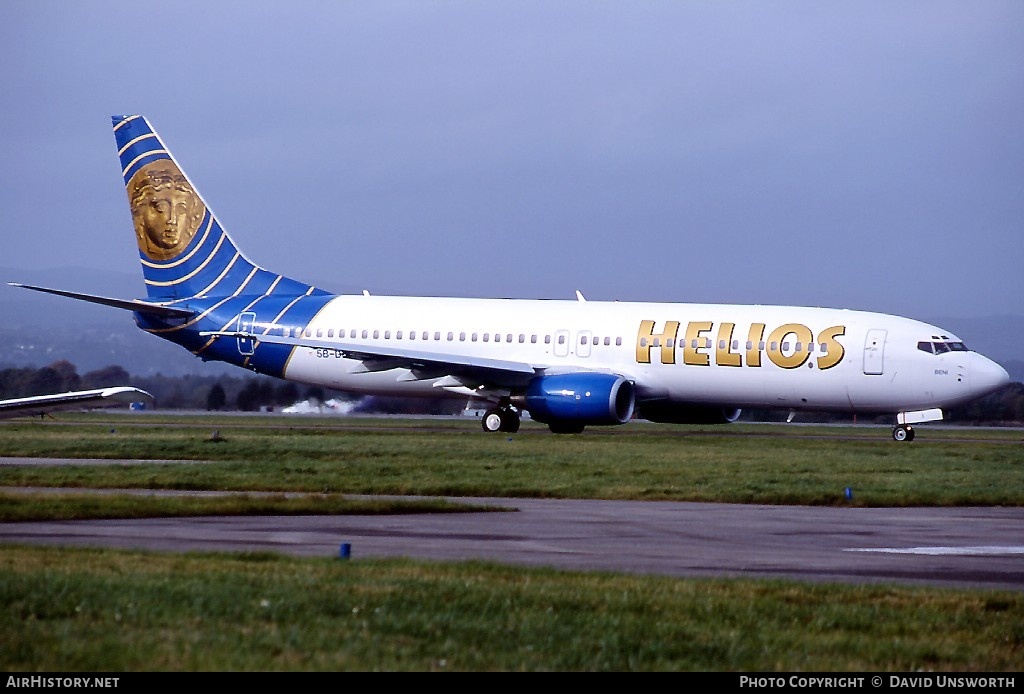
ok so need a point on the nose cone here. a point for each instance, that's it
(987, 376)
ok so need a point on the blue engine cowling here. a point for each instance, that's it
(671, 413)
(580, 399)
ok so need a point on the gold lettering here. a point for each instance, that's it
(645, 337)
(794, 344)
(724, 356)
(696, 341)
(833, 350)
(754, 336)
(792, 361)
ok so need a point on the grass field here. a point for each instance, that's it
(106, 610)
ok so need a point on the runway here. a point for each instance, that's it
(947, 547)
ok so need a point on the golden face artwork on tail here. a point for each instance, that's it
(166, 211)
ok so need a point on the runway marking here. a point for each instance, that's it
(935, 551)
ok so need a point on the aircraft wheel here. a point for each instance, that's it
(492, 420)
(902, 433)
(910, 433)
(509, 421)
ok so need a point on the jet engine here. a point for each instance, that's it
(568, 402)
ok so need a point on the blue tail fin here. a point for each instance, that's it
(184, 250)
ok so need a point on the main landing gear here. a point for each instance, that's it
(903, 432)
(501, 419)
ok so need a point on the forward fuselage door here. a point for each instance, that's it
(874, 351)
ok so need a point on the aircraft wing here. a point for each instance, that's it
(469, 371)
(72, 400)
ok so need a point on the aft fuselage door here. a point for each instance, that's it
(874, 351)
(246, 346)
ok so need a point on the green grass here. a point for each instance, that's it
(27, 506)
(109, 611)
(66, 609)
(767, 464)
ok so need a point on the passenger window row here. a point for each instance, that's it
(426, 335)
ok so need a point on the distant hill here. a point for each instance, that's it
(38, 329)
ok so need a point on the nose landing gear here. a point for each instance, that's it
(903, 432)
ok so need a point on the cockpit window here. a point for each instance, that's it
(941, 346)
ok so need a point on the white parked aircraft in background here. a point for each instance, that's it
(569, 364)
(41, 405)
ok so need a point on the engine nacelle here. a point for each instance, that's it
(670, 413)
(580, 399)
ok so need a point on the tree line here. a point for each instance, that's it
(254, 393)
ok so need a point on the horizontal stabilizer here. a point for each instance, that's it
(130, 304)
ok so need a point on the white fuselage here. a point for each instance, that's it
(795, 358)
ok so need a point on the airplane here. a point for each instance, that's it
(42, 405)
(568, 364)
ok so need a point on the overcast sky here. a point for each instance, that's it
(860, 154)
